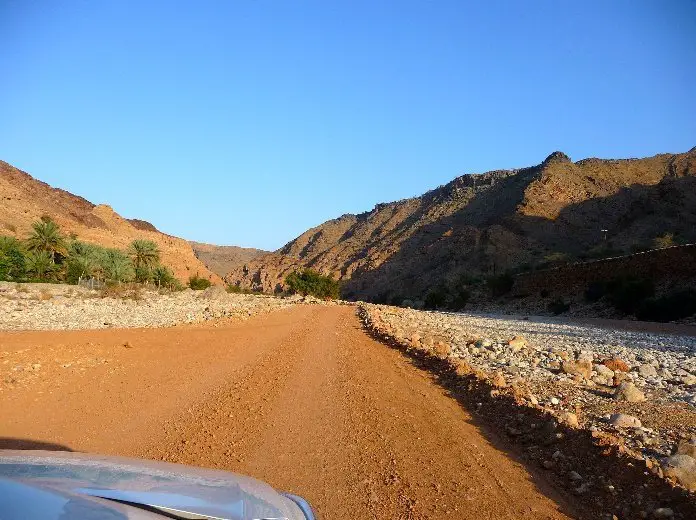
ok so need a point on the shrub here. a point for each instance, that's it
(674, 306)
(310, 282)
(143, 274)
(558, 306)
(436, 298)
(666, 240)
(460, 299)
(12, 259)
(628, 294)
(500, 284)
(163, 277)
(198, 283)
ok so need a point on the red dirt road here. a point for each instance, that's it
(301, 398)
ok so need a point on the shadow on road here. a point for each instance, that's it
(10, 443)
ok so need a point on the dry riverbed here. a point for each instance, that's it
(66, 307)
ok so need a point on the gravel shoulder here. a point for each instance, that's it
(301, 398)
(562, 391)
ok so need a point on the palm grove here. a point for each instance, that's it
(46, 255)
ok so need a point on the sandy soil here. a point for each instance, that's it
(301, 398)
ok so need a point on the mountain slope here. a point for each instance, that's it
(25, 199)
(222, 259)
(480, 224)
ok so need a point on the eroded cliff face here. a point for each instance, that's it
(25, 200)
(479, 224)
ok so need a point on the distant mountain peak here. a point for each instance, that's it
(556, 158)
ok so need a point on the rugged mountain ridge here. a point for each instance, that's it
(222, 259)
(25, 199)
(484, 223)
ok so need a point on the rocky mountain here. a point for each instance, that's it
(24, 200)
(222, 259)
(480, 224)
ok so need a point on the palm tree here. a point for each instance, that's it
(117, 266)
(144, 253)
(39, 263)
(46, 236)
(163, 276)
(82, 261)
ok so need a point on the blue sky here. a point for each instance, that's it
(247, 122)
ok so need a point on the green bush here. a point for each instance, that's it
(163, 277)
(674, 306)
(436, 299)
(198, 283)
(12, 259)
(312, 283)
(558, 306)
(500, 284)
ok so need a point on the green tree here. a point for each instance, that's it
(164, 277)
(46, 236)
(311, 282)
(144, 253)
(82, 261)
(12, 259)
(116, 266)
(39, 264)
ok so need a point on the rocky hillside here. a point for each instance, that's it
(25, 200)
(484, 223)
(222, 259)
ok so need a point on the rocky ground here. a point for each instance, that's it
(56, 307)
(635, 391)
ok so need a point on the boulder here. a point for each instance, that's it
(517, 343)
(627, 391)
(647, 371)
(687, 448)
(583, 368)
(570, 419)
(622, 420)
(682, 469)
(604, 371)
(616, 364)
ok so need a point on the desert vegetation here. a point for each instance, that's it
(47, 255)
(309, 282)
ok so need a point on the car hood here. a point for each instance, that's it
(66, 486)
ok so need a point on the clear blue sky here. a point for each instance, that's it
(247, 122)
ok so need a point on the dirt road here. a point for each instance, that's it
(300, 398)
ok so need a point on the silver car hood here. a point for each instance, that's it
(66, 486)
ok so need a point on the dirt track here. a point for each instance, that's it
(300, 398)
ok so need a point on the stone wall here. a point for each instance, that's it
(670, 265)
